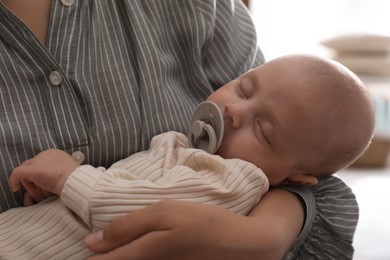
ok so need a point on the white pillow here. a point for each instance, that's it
(358, 42)
(377, 65)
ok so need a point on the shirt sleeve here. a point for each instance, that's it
(332, 214)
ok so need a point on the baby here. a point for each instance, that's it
(294, 119)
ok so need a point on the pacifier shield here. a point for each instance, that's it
(206, 127)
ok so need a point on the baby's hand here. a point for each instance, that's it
(48, 170)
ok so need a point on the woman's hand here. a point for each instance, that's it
(43, 175)
(181, 230)
(174, 230)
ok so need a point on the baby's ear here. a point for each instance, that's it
(303, 179)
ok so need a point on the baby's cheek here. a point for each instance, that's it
(230, 149)
(224, 150)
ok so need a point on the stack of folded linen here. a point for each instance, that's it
(368, 55)
(363, 53)
(378, 153)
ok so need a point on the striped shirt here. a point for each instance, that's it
(168, 170)
(331, 217)
(113, 74)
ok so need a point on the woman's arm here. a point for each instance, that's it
(178, 230)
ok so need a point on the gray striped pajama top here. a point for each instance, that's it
(113, 74)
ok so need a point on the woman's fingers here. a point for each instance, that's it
(168, 230)
(150, 246)
(125, 229)
(28, 200)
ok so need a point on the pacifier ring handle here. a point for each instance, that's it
(206, 127)
(200, 131)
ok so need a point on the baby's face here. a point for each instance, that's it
(266, 118)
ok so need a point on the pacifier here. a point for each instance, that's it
(206, 127)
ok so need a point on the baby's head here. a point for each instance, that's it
(297, 117)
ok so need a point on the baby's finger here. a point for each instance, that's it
(28, 200)
(15, 179)
(35, 192)
(27, 162)
(20, 173)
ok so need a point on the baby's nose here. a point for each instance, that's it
(235, 114)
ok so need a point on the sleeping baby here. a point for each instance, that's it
(294, 119)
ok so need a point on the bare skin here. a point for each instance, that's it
(35, 14)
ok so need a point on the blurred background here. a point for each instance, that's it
(298, 26)
(357, 34)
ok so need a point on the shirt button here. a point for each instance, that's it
(55, 78)
(78, 156)
(67, 2)
(289, 256)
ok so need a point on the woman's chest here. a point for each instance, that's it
(35, 14)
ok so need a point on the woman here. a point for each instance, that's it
(72, 71)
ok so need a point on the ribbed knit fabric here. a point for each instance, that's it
(168, 170)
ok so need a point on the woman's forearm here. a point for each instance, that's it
(197, 231)
(279, 217)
